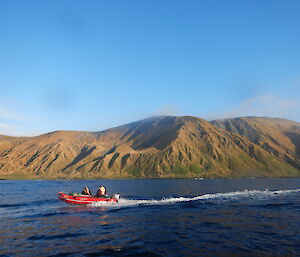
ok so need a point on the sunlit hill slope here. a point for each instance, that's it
(163, 146)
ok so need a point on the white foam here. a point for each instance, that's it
(257, 194)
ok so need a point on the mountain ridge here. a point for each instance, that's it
(159, 146)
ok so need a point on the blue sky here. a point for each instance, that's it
(91, 65)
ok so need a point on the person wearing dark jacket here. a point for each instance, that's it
(86, 191)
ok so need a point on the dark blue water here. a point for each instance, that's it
(220, 217)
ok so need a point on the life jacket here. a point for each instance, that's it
(102, 190)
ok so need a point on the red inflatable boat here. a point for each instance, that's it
(84, 199)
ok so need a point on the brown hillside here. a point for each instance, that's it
(280, 137)
(155, 147)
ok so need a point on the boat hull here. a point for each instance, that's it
(73, 199)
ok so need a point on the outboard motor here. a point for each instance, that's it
(116, 196)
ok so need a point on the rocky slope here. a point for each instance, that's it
(279, 137)
(159, 147)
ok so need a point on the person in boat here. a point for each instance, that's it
(101, 192)
(86, 191)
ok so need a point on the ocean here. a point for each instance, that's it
(155, 217)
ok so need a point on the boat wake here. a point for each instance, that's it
(231, 196)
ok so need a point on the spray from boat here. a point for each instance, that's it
(231, 196)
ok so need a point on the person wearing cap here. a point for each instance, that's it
(101, 192)
(86, 191)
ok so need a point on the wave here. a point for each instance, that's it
(231, 196)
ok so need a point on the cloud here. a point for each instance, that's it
(18, 131)
(171, 110)
(13, 123)
(267, 105)
(9, 118)
(7, 129)
(10, 114)
(9, 110)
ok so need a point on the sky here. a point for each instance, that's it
(91, 65)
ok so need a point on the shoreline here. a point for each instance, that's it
(12, 178)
